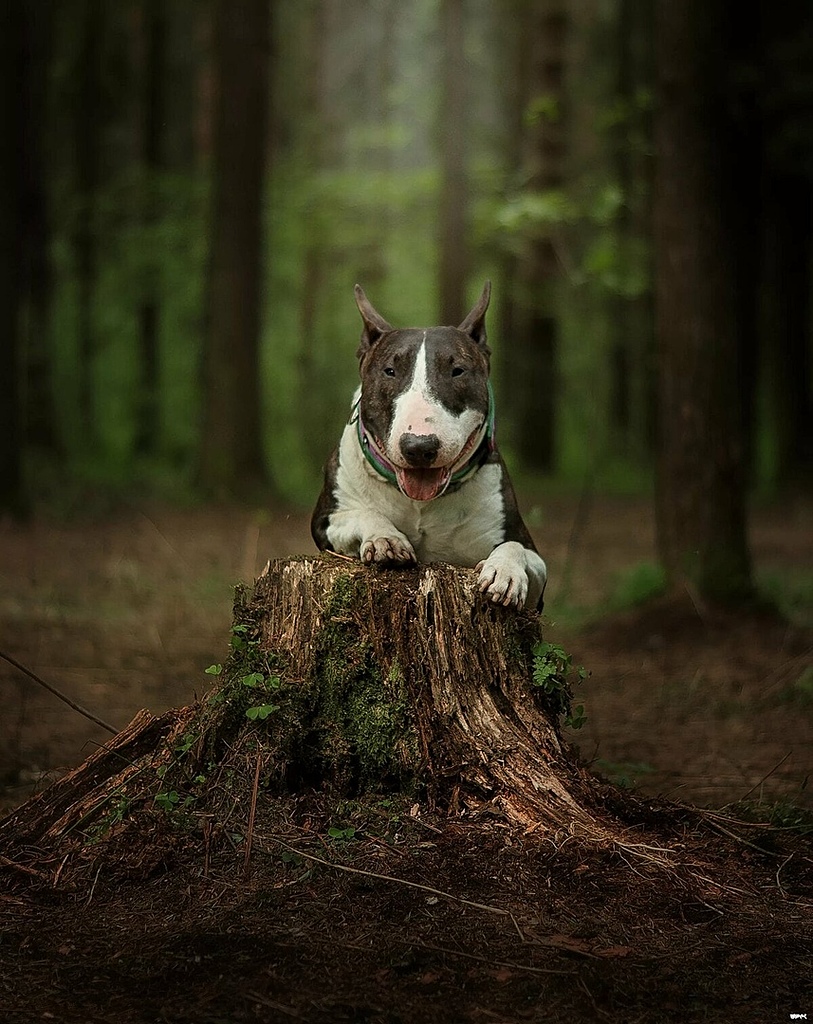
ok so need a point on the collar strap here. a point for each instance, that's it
(376, 458)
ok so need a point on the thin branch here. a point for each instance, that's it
(14, 866)
(251, 814)
(57, 693)
(766, 777)
(392, 878)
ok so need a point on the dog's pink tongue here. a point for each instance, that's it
(421, 484)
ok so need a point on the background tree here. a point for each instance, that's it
(14, 52)
(786, 236)
(531, 320)
(701, 472)
(453, 238)
(232, 456)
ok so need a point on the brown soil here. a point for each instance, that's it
(695, 917)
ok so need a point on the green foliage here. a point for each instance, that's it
(544, 107)
(342, 834)
(636, 585)
(149, 233)
(266, 683)
(554, 674)
(261, 711)
(168, 800)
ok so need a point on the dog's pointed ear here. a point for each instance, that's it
(374, 323)
(475, 323)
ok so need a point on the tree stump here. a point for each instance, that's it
(349, 679)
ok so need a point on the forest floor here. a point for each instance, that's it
(127, 609)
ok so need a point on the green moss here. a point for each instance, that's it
(363, 711)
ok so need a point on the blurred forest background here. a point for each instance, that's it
(192, 188)
(189, 190)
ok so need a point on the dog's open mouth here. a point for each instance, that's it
(423, 484)
(426, 484)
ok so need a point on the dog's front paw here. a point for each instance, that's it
(387, 550)
(503, 579)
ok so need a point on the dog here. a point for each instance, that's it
(417, 476)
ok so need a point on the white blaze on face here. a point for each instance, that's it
(417, 411)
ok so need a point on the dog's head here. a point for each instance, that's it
(425, 395)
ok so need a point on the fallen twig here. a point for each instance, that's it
(392, 878)
(57, 693)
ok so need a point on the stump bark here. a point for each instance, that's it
(348, 679)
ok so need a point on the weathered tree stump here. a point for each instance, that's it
(350, 679)
(410, 678)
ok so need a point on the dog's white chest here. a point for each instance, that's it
(461, 528)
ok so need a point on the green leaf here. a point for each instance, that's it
(167, 800)
(341, 833)
(261, 711)
(213, 670)
(253, 679)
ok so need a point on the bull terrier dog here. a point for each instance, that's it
(416, 476)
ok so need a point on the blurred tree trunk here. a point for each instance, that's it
(788, 247)
(453, 238)
(529, 359)
(701, 470)
(232, 452)
(314, 118)
(39, 412)
(153, 110)
(633, 401)
(13, 132)
(88, 113)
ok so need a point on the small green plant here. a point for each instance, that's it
(168, 800)
(553, 674)
(255, 680)
(268, 684)
(186, 744)
(342, 835)
(213, 670)
(261, 711)
(239, 637)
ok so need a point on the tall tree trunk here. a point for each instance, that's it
(701, 471)
(153, 108)
(87, 116)
(788, 229)
(232, 453)
(39, 411)
(530, 357)
(453, 237)
(633, 394)
(315, 260)
(13, 129)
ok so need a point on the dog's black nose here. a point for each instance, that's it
(420, 449)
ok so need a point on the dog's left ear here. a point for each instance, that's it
(475, 323)
(374, 323)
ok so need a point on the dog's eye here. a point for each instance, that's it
(457, 370)
(389, 371)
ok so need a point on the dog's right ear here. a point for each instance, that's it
(374, 323)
